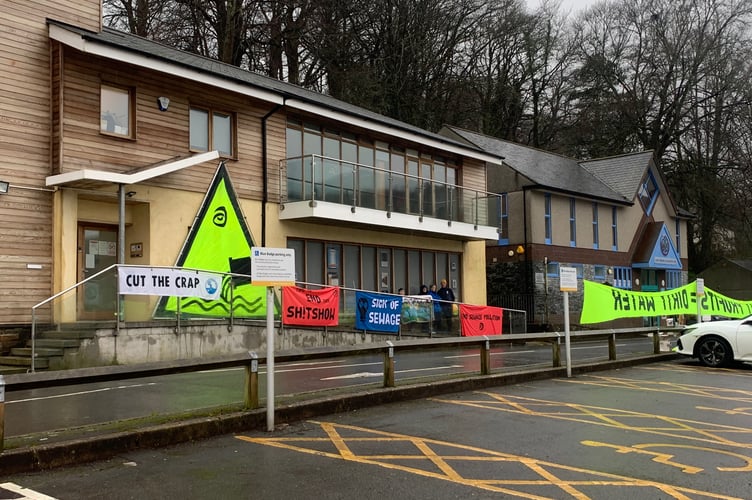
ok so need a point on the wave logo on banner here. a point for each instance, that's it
(303, 307)
(377, 312)
(480, 320)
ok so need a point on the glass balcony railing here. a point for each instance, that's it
(319, 178)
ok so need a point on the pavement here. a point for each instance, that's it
(67, 447)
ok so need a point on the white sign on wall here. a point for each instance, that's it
(171, 282)
(272, 266)
(568, 279)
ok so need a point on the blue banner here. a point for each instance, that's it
(377, 312)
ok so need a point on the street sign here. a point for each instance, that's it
(568, 279)
(272, 266)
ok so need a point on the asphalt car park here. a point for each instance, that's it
(661, 430)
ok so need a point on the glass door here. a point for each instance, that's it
(97, 298)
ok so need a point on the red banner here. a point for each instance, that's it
(303, 307)
(480, 320)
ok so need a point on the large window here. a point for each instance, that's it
(116, 111)
(572, 222)
(547, 217)
(595, 225)
(344, 168)
(678, 236)
(212, 130)
(504, 210)
(648, 192)
(382, 269)
(614, 231)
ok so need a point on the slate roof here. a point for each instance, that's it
(623, 173)
(549, 170)
(167, 54)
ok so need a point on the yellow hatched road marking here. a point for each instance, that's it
(609, 417)
(721, 393)
(343, 440)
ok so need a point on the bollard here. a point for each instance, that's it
(2, 413)
(251, 383)
(656, 342)
(389, 365)
(556, 347)
(485, 357)
(612, 347)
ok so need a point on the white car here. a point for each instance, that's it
(717, 343)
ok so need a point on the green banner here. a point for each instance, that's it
(605, 303)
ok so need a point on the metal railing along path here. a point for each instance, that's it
(251, 361)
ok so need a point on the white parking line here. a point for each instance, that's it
(380, 374)
(28, 494)
(79, 393)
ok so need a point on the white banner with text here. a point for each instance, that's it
(173, 282)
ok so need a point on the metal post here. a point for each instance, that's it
(269, 358)
(389, 365)
(566, 334)
(485, 357)
(2, 413)
(251, 383)
(33, 337)
(612, 347)
(556, 348)
(657, 342)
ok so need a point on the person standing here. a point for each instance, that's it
(447, 303)
(436, 308)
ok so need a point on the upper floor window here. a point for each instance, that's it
(572, 223)
(614, 231)
(116, 111)
(678, 236)
(648, 192)
(547, 217)
(595, 225)
(504, 211)
(212, 130)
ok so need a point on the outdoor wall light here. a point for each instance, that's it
(511, 253)
(520, 250)
(163, 103)
(4, 187)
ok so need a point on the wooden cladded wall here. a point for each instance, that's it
(26, 240)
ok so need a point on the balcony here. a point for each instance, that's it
(315, 188)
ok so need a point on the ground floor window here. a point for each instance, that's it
(623, 277)
(673, 279)
(377, 268)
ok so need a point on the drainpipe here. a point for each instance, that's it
(265, 170)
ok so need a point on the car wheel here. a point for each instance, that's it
(714, 352)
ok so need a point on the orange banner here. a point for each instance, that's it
(303, 307)
(480, 320)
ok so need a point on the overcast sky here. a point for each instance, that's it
(566, 5)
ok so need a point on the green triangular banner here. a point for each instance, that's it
(219, 240)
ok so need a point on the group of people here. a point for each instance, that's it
(443, 304)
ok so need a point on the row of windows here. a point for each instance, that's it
(210, 129)
(622, 276)
(383, 269)
(548, 225)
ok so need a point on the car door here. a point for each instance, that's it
(744, 340)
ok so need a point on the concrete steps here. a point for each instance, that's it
(50, 347)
